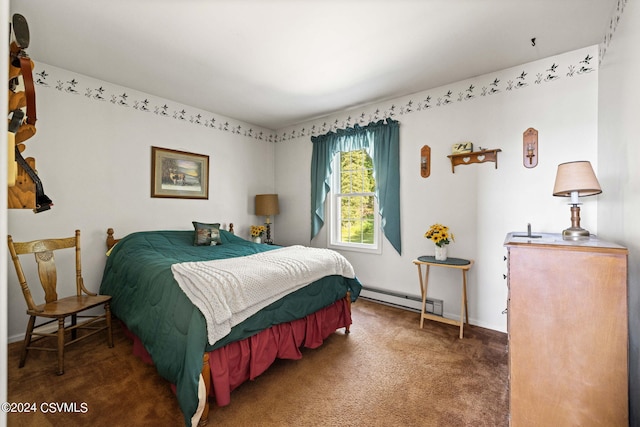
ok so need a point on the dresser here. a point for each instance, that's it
(568, 332)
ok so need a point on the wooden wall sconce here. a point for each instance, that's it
(425, 161)
(530, 148)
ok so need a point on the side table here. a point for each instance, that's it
(458, 263)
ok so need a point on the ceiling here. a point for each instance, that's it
(276, 63)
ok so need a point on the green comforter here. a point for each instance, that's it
(148, 300)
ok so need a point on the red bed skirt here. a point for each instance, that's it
(246, 359)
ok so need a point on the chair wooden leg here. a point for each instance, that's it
(107, 312)
(27, 341)
(74, 322)
(61, 346)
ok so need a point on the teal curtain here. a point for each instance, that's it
(382, 143)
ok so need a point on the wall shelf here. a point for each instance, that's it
(474, 157)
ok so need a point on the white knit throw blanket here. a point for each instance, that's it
(228, 291)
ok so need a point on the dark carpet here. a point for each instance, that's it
(386, 372)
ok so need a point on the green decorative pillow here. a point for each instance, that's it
(206, 234)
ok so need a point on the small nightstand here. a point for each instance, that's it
(458, 263)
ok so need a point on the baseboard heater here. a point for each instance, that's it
(410, 302)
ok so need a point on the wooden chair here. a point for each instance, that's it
(54, 308)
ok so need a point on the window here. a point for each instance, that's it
(382, 142)
(355, 222)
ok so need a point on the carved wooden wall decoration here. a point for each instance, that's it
(23, 194)
(25, 188)
(481, 156)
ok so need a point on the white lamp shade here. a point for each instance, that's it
(576, 177)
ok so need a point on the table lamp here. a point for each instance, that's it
(575, 179)
(267, 205)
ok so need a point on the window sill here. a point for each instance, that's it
(356, 248)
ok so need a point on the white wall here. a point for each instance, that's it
(94, 158)
(619, 176)
(478, 202)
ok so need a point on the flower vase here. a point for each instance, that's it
(441, 253)
(257, 239)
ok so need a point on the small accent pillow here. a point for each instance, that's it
(206, 234)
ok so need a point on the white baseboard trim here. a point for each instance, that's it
(407, 302)
(414, 303)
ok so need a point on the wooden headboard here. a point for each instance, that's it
(111, 241)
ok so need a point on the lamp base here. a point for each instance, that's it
(575, 233)
(268, 240)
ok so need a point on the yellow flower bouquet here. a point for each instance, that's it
(258, 230)
(440, 234)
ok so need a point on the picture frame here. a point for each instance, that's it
(179, 174)
(462, 147)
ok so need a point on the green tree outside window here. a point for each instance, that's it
(356, 198)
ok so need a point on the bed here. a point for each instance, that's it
(148, 275)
